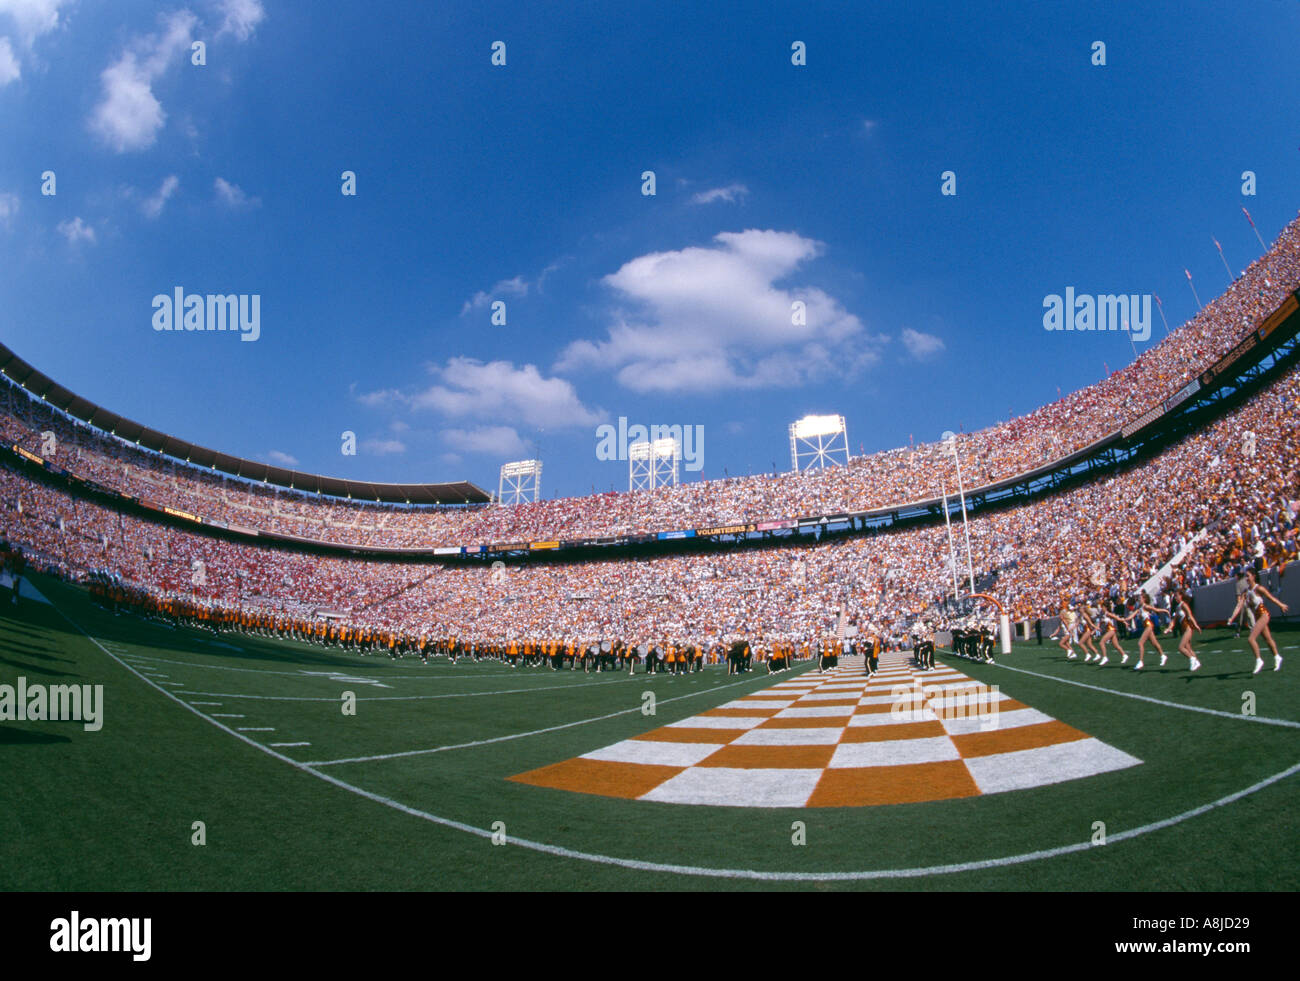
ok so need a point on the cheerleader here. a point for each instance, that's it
(1111, 633)
(1253, 598)
(1186, 620)
(1149, 615)
(1067, 630)
(1088, 628)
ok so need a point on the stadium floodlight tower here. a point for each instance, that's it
(520, 481)
(653, 464)
(817, 442)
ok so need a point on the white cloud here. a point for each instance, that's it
(8, 207)
(284, 459)
(868, 125)
(499, 390)
(491, 440)
(707, 317)
(240, 17)
(33, 17)
(381, 397)
(153, 206)
(921, 346)
(383, 447)
(507, 287)
(496, 390)
(730, 193)
(76, 231)
(9, 70)
(129, 115)
(232, 195)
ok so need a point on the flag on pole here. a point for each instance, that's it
(1161, 307)
(1221, 258)
(1254, 229)
(1199, 304)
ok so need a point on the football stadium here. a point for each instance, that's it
(1053, 651)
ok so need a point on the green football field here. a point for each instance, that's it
(248, 736)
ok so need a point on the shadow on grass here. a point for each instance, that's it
(10, 736)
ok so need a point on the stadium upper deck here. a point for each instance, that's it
(888, 478)
(1232, 489)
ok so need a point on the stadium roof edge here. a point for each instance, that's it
(45, 388)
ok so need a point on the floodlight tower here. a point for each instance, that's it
(817, 442)
(518, 481)
(653, 464)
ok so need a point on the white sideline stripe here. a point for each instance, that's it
(256, 729)
(398, 698)
(216, 704)
(653, 753)
(289, 744)
(1289, 723)
(520, 735)
(639, 865)
(225, 715)
(1044, 765)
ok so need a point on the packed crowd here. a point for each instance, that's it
(887, 478)
(1225, 498)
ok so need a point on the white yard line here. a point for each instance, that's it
(517, 735)
(1289, 723)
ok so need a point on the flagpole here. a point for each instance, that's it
(952, 554)
(1130, 339)
(961, 492)
(1161, 307)
(1225, 261)
(1199, 304)
(1254, 229)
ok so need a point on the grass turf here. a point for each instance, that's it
(114, 809)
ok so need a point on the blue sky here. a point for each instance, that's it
(522, 183)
